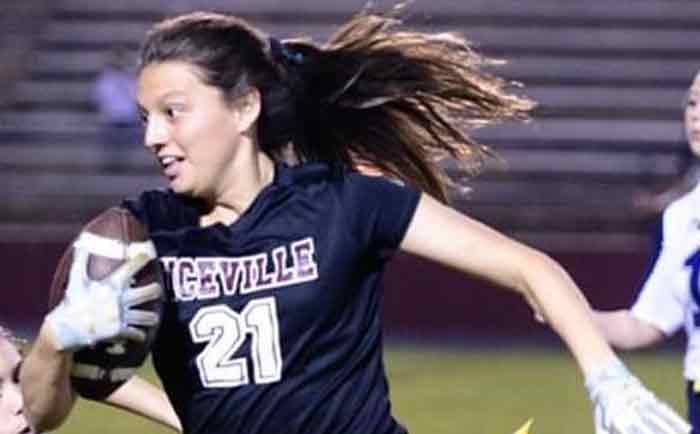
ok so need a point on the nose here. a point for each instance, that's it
(156, 134)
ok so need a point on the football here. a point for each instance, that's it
(102, 368)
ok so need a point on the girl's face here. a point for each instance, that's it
(190, 127)
(12, 420)
(692, 116)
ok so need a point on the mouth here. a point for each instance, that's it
(169, 165)
(20, 428)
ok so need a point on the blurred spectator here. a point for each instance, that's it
(114, 94)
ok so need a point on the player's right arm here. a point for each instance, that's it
(49, 397)
(91, 311)
(45, 382)
(142, 398)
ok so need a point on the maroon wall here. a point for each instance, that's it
(422, 299)
(27, 270)
(425, 298)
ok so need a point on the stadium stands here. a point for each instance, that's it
(609, 76)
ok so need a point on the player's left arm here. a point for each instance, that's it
(140, 397)
(442, 234)
(622, 404)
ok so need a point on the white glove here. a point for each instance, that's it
(96, 310)
(622, 405)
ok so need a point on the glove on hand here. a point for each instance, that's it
(622, 405)
(96, 310)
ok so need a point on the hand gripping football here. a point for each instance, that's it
(112, 254)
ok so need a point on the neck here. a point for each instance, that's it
(237, 196)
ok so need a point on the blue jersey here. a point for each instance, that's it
(273, 323)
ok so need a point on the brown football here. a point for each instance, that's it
(101, 369)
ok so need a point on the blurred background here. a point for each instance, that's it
(610, 79)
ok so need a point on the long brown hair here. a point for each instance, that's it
(373, 94)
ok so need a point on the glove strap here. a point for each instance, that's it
(612, 370)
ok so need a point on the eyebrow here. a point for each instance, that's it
(161, 98)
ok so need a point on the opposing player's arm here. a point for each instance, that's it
(140, 397)
(625, 331)
(659, 310)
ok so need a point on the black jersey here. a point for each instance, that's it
(273, 323)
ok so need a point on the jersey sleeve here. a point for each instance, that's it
(161, 210)
(658, 303)
(380, 210)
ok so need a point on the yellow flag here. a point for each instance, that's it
(525, 429)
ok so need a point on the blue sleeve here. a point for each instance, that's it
(380, 210)
(657, 239)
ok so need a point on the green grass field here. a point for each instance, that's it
(443, 391)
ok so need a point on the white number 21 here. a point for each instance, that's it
(225, 330)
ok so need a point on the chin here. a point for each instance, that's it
(695, 148)
(180, 187)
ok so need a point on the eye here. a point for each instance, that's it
(173, 111)
(692, 103)
(143, 116)
(15, 373)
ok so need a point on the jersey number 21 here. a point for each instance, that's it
(225, 330)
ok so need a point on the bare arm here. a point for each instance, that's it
(625, 331)
(45, 382)
(49, 397)
(140, 397)
(445, 236)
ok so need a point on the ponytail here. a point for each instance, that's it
(395, 101)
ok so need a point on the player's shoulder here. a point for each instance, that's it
(163, 209)
(322, 175)
(683, 214)
(686, 206)
(343, 187)
(307, 174)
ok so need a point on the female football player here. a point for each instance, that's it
(670, 296)
(137, 396)
(272, 321)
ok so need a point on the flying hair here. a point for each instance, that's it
(374, 95)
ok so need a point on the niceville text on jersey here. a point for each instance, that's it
(272, 324)
(213, 277)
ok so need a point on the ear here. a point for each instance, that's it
(248, 109)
